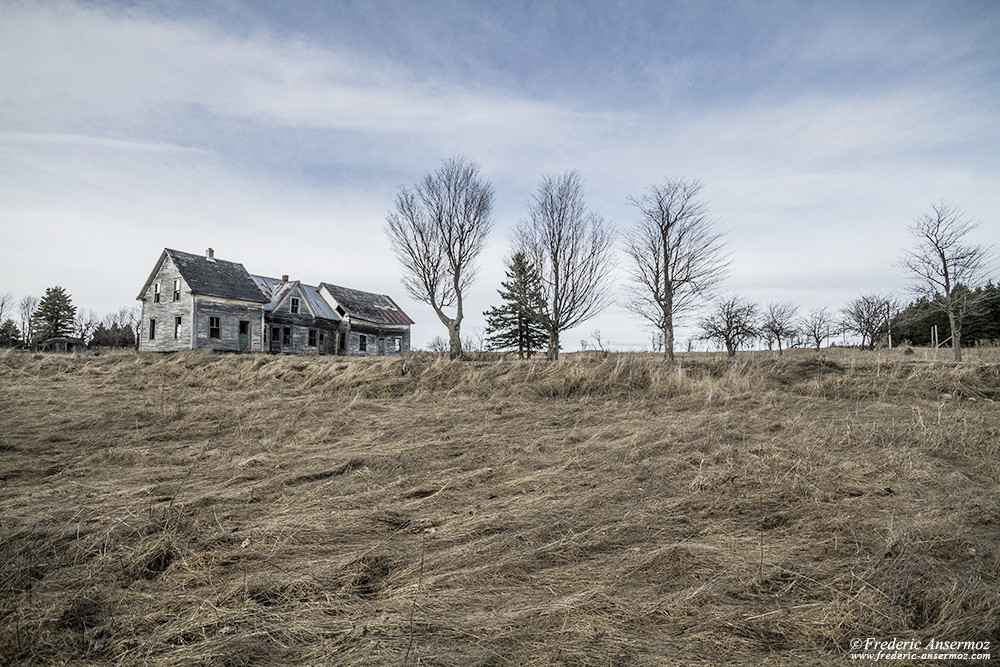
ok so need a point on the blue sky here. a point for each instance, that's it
(278, 133)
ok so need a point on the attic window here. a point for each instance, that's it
(177, 289)
(295, 305)
(156, 293)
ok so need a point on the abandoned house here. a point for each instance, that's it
(198, 301)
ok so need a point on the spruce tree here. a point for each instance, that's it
(512, 326)
(9, 334)
(54, 316)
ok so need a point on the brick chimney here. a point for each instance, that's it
(284, 278)
(210, 255)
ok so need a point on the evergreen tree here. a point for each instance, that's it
(55, 315)
(512, 326)
(10, 336)
(982, 322)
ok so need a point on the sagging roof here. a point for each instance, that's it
(216, 277)
(377, 308)
(278, 290)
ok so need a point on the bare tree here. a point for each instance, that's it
(869, 316)
(6, 303)
(678, 257)
(732, 322)
(942, 261)
(437, 344)
(570, 247)
(819, 325)
(779, 323)
(86, 322)
(26, 309)
(437, 231)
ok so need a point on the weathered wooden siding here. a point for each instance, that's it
(230, 313)
(165, 312)
(300, 323)
(380, 340)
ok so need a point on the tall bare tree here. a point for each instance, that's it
(732, 322)
(818, 325)
(437, 230)
(942, 260)
(678, 257)
(779, 323)
(570, 246)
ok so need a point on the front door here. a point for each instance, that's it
(381, 346)
(275, 339)
(244, 335)
(322, 342)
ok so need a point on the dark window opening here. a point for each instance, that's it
(177, 289)
(342, 344)
(156, 293)
(341, 311)
(362, 343)
(214, 330)
(152, 330)
(295, 305)
(286, 338)
(312, 338)
(177, 327)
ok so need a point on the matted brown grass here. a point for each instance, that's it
(611, 510)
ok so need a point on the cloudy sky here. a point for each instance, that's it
(279, 132)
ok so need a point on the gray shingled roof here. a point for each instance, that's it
(378, 308)
(278, 290)
(216, 277)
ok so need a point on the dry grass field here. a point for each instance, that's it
(223, 509)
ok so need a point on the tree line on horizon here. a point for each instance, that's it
(54, 316)
(561, 261)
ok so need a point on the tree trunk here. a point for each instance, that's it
(455, 339)
(553, 353)
(956, 335)
(668, 336)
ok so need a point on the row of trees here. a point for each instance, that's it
(560, 265)
(54, 315)
(561, 260)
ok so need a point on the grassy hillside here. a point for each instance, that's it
(598, 511)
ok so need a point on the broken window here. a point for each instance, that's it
(295, 305)
(177, 327)
(156, 293)
(177, 289)
(152, 329)
(286, 338)
(312, 338)
(362, 343)
(214, 330)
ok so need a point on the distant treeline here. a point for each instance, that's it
(981, 324)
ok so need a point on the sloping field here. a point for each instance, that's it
(198, 509)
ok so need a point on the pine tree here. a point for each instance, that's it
(9, 334)
(55, 315)
(512, 326)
